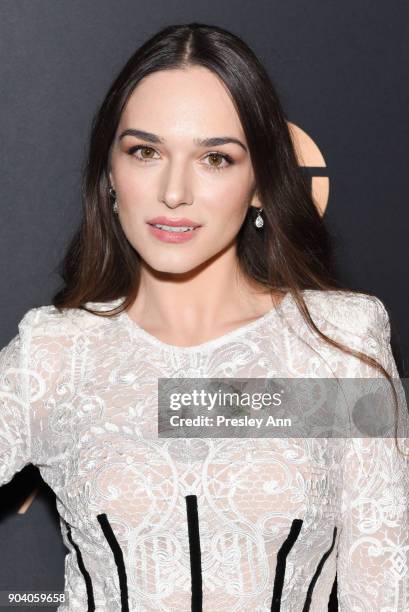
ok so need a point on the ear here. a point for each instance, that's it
(111, 180)
(255, 202)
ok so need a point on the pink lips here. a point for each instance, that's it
(173, 237)
(174, 222)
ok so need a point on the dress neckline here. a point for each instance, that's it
(135, 329)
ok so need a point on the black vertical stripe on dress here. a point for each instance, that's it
(84, 572)
(118, 557)
(195, 555)
(317, 573)
(285, 548)
(333, 598)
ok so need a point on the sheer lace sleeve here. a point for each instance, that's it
(373, 548)
(15, 443)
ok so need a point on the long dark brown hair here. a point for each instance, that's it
(291, 253)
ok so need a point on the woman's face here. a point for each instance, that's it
(168, 173)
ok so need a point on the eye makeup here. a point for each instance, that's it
(227, 158)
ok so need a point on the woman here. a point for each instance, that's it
(201, 254)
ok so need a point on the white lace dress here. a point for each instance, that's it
(229, 525)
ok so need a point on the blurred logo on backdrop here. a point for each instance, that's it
(313, 163)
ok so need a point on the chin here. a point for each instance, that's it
(182, 262)
(169, 266)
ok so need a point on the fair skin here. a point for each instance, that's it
(190, 292)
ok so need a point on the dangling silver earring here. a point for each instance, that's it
(259, 219)
(112, 193)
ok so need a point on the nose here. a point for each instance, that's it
(176, 187)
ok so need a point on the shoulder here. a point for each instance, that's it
(50, 321)
(353, 312)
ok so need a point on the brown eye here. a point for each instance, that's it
(214, 157)
(142, 152)
(219, 157)
(147, 150)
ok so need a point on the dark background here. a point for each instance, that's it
(340, 69)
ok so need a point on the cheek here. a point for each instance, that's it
(133, 185)
(228, 204)
(131, 189)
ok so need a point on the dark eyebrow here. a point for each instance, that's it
(206, 142)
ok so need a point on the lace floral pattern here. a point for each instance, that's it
(78, 398)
